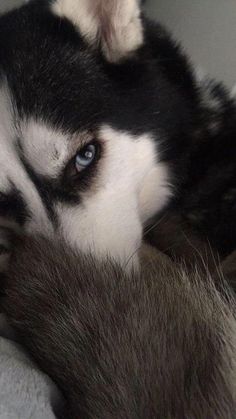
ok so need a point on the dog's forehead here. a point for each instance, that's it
(51, 73)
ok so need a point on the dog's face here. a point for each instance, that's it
(84, 119)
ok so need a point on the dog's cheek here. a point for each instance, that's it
(106, 225)
(155, 193)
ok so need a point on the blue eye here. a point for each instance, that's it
(85, 157)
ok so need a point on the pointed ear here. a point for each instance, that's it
(114, 24)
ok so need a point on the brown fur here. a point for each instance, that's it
(156, 344)
(176, 237)
(173, 236)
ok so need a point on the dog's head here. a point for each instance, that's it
(91, 103)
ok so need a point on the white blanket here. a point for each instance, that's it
(25, 392)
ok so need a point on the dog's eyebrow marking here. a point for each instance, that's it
(13, 206)
(43, 192)
(45, 147)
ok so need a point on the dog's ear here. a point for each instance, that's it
(114, 24)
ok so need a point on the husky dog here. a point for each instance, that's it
(103, 125)
(99, 111)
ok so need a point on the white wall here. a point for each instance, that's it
(8, 4)
(207, 29)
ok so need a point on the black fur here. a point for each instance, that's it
(204, 211)
(13, 207)
(209, 199)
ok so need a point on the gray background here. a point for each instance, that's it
(206, 28)
(7, 4)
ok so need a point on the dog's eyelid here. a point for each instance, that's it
(72, 171)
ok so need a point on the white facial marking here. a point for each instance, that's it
(46, 149)
(156, 192)
(109, 221)
(12, 171)
(116, 24)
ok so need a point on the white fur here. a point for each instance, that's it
(12, 171)
(114, 23)
(45, 148)
(78, 12)
(156, 191)
(110, 219)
